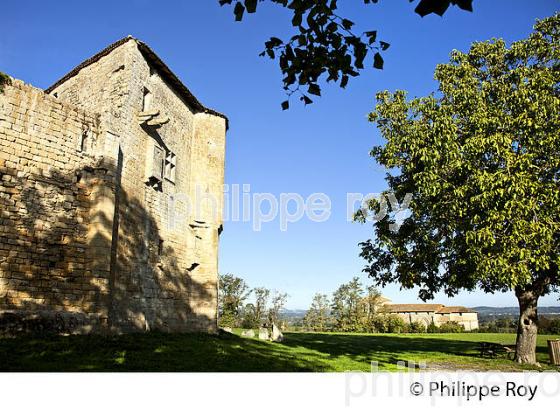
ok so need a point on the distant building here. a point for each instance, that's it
(434, 313)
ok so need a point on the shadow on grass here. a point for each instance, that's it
(300, 352)
(151, 352)
(385, 349)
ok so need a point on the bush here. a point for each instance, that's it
(386, 323)
(448, 327)
(415, 327)
(227, 320)
(395, 324)
(432, 328)
(451, 327)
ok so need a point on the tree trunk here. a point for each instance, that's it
(525, 350)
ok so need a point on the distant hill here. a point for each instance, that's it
(293, 313)
(482, 311)
(513, 310)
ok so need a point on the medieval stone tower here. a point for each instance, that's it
(111, 195)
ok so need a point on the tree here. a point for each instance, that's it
(233, 291)
(261, 304)
(325, 44)
(317, 316)
(278, 301)
(481, 158)
(347, 300)
(249, 317)
(372, 303)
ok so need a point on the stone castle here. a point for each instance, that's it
(97, 177)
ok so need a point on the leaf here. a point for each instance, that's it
(360, 53)
(439, 7)
(347, 24)
(285, 105)
(384, 46)
(344, 81)
(306, 100)
(464, 4)
(238, 11)
(372, 35)
(251, 6)
(314, 89)
(426, 7)
(275, 42)
(378, 61)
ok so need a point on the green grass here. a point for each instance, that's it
(319, 352)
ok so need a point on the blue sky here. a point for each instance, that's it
(320, 148)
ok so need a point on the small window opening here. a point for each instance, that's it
(160, 247)
(147, 101)
(84, 142)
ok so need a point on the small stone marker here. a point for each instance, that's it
(248, 333)
(263, 334)
(277, 335)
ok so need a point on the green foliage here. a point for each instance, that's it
(481, 159)
(415, 327)
(448, 327)
(249, 317)
(346, 306)
(432, 328)
(5, 79)
(233, 291)
(325, 44)
(502, 325)
(278, 302)
(451, 327)
(352, 310)
(387, 323)
(228, 319)
(317, 316)
(549, 326)
(261, 304)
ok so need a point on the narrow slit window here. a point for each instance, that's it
(84, 143)
(147, 101)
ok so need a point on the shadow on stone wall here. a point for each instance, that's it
(61, 271)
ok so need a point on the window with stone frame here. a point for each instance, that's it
(170, 167)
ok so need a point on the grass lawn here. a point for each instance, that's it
(318, 352)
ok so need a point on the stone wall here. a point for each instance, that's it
(53, 235)
(159, 261)
(468, 320)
